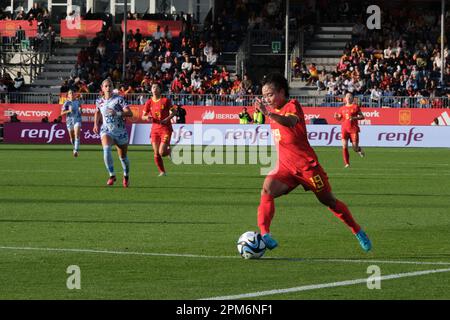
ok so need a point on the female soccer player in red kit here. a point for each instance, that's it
(350, 114)
(297, 162)
(159, 110)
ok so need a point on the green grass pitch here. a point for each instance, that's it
(135, 243)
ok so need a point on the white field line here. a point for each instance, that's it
(186, 255)
(326, 285)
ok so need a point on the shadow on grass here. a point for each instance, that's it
(108, 202)
(108, 222)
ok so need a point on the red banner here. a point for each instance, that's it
(8, 28)
(229, 115)
(147, 27)
(80, 28)
(373, 116)
(35, 112)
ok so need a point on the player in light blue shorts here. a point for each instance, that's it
(111, 110)
(72, 109)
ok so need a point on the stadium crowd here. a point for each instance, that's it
(403, 58)
(190, 64)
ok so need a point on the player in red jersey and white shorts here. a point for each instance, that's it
(350, 113)
(297, 162)
(160, 111)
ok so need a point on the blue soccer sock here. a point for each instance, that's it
(107, 157)
(125, 165)
(77, 144)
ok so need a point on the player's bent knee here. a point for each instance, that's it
(327, 200)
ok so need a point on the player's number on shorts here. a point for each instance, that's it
(317, 182)
(276, 134)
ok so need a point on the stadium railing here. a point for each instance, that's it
(237, 100)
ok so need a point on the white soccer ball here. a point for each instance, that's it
(251, 245)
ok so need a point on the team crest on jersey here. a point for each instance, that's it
(404, 117)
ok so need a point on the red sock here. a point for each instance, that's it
(341, 211)
(159, 163)
(346, 156)
(266, 210)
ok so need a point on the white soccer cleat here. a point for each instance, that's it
(347, 166)
(162, 174)
(361, 154)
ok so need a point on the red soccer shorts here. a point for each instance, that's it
(314, 179)
(161, 136)
(353, 136)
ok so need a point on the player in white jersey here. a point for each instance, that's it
(72, 109)
(112, 109)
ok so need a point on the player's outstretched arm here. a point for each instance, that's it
(359, 116)
(97, 117)
(171, 115)
(146, 116)
(287, 120)
(127, 112)
(337, 116)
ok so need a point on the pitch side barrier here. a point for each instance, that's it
(236, 100)
(234, 135)
(230, 115)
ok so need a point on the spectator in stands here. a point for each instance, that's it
(247, 84)
(64, 87)
(130, 35)
(138, 36)
(20, 35)
(244, 117)
(313, 74)
(322, 81)
(258, 116)
(146, 64)
(21, 15)
(158, 34)
(167, 33)
(34, 11)
(375, 95)
(187, 64)
(8, 81)
(45, 120)
(148, 49)
(3, 91)
(166, 66)
(180, 114)
(14, 118)
(142, 44)
(19, 81)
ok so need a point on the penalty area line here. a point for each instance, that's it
(326, 285)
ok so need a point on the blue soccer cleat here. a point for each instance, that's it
(364, 240)
(270, 242)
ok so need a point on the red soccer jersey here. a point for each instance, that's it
(347, 112)
(292, 144)
(159, 110)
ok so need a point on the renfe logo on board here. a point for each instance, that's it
(48, 134)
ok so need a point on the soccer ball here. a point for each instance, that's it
(251, 245)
